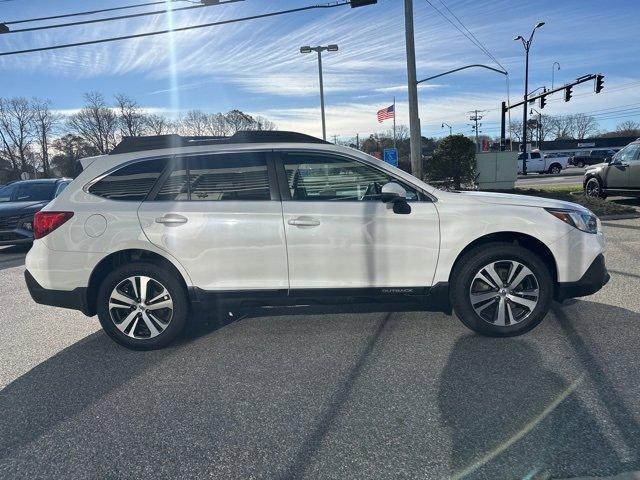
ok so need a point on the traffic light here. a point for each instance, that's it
(543, 101)
(362, 3)
(568, 93)
(599, 83)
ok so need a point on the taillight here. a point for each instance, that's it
(46, 222)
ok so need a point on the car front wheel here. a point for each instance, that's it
(593, 188)
(142, 306)
(501, 290)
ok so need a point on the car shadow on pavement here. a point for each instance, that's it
(65, 385)
(511, 414)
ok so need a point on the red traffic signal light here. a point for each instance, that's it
(599, 83)
(568, 93)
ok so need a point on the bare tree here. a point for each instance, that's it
(262, 123)
(562, 126)
(45, 124)
(96, 123)
(158, 124)
(194, 123)
(216, 124)
(628, 128)
(130, 116)
(16, 131)
(584, 126)
(238, 120)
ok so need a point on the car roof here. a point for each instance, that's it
(40, 180)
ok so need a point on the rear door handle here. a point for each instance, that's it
(172, 220)
(304, 222)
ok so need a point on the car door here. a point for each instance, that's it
(619, 171)
(219, 215)
(536, 162)
(341, 235)
(634, 171)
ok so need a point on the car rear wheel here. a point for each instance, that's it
(501, 290)
(142, 306)
(593, 188)
(555, 169)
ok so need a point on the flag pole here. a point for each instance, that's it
(394, 122)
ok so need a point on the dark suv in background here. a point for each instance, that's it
(19, 201)
(618, 176)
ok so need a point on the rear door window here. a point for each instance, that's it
(132, 182)
(35, 192)
(217, 177)
(6, 193)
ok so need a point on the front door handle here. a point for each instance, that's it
(304, 222)
(172, 220)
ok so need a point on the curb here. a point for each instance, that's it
(620, 216)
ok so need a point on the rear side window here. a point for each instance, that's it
(132, 182)
(6, 193)
(35, 192)
(220, 177)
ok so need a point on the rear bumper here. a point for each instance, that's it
(75, 299)
(593, 280)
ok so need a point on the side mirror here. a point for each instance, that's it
(393, 192)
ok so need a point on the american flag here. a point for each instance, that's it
(386, 113)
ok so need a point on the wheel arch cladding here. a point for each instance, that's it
(123, 257)
(516, 238)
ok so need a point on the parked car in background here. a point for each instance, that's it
(19, 201)
(619, 176)
(592, 158)
(538, 162)
(165, 227)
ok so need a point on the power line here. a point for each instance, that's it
(120, 17)
(91, 12)
(485, 49)
(180, 29)
(476, 43)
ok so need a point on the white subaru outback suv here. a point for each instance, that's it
(166, 227)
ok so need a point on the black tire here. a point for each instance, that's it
(173, 285)
(593, 188)
(472, 262)
(555, 169)
(580, 164)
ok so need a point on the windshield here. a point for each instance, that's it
(35, 192)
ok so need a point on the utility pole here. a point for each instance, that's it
(335, 139)
(474, 118)
(412, 79)
(357, 141)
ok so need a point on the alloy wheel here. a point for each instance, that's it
(593, 188)
(141, 307)
(504, 292)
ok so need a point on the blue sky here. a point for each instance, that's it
(255, 66)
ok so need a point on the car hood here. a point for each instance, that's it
(596, 166)
(20, 208)
(495, 198)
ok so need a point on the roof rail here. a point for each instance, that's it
(155, 142)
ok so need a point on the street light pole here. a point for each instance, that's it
(443, 125)
(527, 46)
(324, 123)
(553, 71)
(412, 79)
(320, 49)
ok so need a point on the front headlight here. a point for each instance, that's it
(585, 221)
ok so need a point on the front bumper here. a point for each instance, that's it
(75, 299)
(593, 280)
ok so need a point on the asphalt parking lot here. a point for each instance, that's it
(311, 394)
